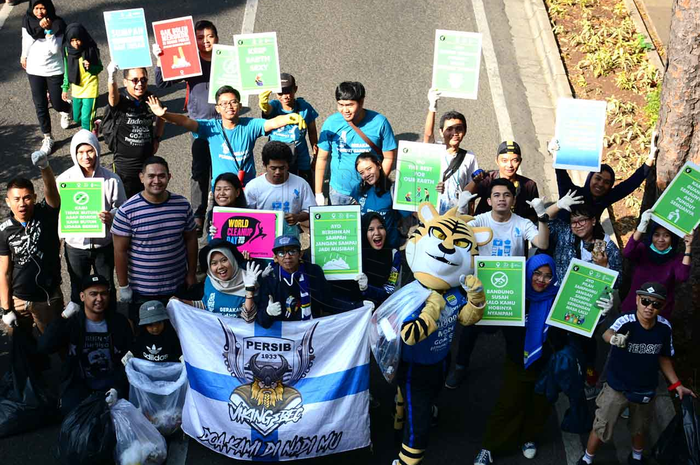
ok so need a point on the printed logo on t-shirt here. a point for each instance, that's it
(501, 248)
(224, 148)
(644, 349)
(517, 232)
(152, 354)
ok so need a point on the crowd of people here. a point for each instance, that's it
(151, 251)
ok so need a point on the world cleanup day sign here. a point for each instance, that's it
(678, 208)
(176, 38)
(503, 279)
(81, 204)
(127, 37)
(258, 62)
(575, 308)
(456, 63)
(249, 230)
(335, 240)
(419, 169)
(580, 129)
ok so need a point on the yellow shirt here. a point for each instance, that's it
(89, 84)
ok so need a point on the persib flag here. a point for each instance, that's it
(293, 391)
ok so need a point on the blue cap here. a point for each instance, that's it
(286, 241)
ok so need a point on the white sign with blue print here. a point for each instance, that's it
(293, 391)
(580, 130)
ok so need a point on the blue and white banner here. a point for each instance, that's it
(293, 391)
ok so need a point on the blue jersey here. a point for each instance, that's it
(435, 347)
(291, 132)
(384, 205)
(344, 145)
(222, 303)
(242, 139)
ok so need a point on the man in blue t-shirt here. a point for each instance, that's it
(642, 344)
(231, 138)
(292, 134)
(340, 138)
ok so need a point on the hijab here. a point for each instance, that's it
(88, 50)
(540, 304)
(604, 168)
(656, 257)
(233, 286)
(375, 263)
(31, 22)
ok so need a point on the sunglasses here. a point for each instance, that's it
(656, 304)
(135, 81)
(290, 252)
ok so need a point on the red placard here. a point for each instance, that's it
(177, 40)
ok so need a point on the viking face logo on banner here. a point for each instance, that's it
(267, 368)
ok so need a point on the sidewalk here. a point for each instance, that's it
(657, 18)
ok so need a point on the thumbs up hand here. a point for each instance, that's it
(274, 308)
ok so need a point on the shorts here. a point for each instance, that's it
(611, 404)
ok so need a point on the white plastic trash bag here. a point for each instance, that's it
(385, 326)
(158, 390)
(138, 441)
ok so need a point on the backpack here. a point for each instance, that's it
(110, 122)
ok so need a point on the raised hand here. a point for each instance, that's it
(569, 200)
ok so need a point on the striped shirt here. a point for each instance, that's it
(157, 253)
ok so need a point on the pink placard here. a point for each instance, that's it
(251, 230)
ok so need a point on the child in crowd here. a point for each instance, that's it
(157, 340)
(82, 67)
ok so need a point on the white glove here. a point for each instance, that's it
(463, 202)
(128, 356)
(644, 221)
(111, 397)
(433, 97)
(619, 340)
(369, 304)
(569, 200)
(605, 304)
(267, 271)
(40, 159)
(112, 69)
(156, 50)
(125, 294)
(362, 281)
(320, 199)
(212, 230)
(274, 308)
(10, 319)
(553, 147)
(538, 206)
(71, 309)
(182, 359)
(251, 273)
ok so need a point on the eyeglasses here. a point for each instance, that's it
(230, 103)
(581, 222)
(656, 304)
(542, 277)
(137, 80)
(290, 252)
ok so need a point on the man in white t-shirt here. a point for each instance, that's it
(278, 189)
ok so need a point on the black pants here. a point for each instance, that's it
(467, 341)
(200, 180)
(81, 262)
(132, 182)
(39, 85)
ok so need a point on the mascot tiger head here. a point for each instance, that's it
(442, 248)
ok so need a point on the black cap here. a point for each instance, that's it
(287, 82)
(509, 146)
(93, 280)
(653, 289)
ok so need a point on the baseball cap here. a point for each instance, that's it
(509, 146)
(93, 280)
(152, 311)
(652, 289)
(287, 82)
(286, 241)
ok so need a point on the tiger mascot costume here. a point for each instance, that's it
(440, 253)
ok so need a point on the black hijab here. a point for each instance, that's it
(88, 50)
(376, 264)
(31, 22)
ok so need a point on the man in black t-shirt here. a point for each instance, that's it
(136, 137)
(642, 344)
(30, 267)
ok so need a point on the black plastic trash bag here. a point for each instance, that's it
(679, 444)
(87, 434)
(25, 403)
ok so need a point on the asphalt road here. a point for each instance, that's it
(387, 45)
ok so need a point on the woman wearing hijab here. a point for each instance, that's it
(520, 414)
(381, 263)
(82, 65)
(656, 259)
(229, 290)
(42, 58)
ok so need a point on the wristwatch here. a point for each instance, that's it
(544, 218)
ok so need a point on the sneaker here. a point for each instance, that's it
(632, 461)
(483, 458)
(47, 145)
(529, 450)
(65, 120)
(625, 413)
(455, 377)
(435, 417)
(591, 391)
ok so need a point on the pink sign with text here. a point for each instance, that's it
(251, 230)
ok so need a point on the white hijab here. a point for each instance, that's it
(233, 286)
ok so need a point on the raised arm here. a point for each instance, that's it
(428, 131)
(113, 97)
(162, 112)
(283, 120)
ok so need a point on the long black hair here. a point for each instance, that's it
(232, 179)
(383, 184)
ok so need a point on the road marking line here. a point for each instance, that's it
(499, 101)
(251, 8)
(4, 14)
(572, 442)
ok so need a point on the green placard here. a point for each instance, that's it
(575, 308)
(224, 70)
(503, 279)
(258, 61)
(81, 204)
(456, 63)
(335, 240)
(419, 169)
(678, 208)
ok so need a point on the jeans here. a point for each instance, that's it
(39, 85)
(200, 180)
(81, 262)
(336, 198)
